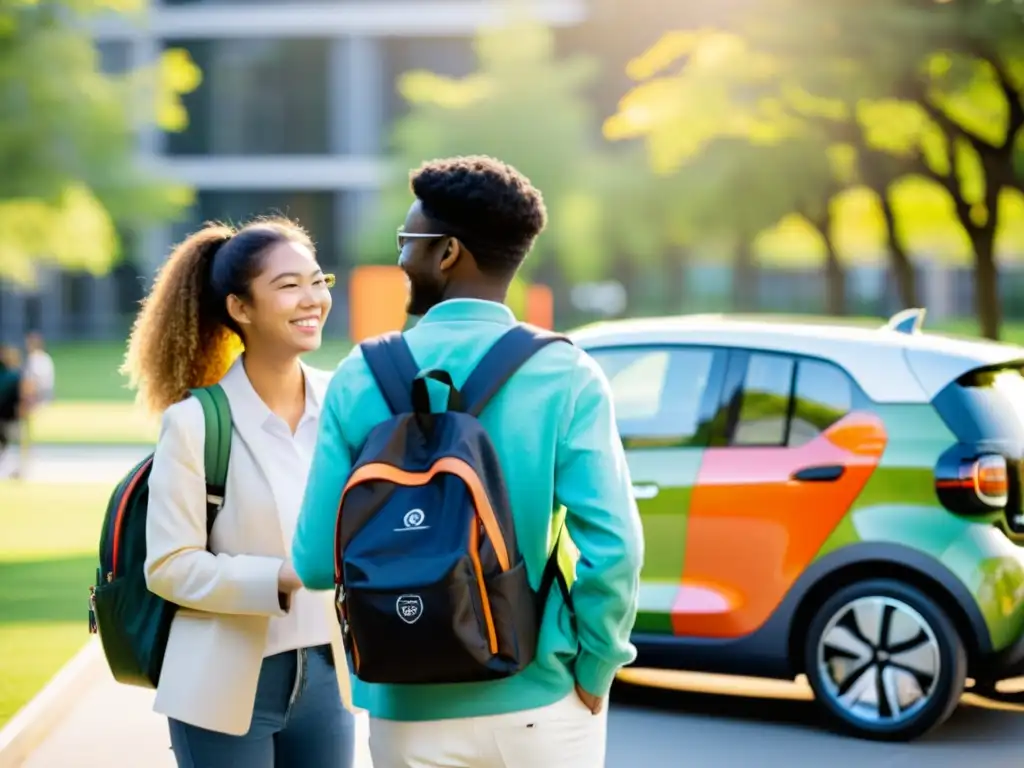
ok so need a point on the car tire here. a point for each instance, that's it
(884, 661)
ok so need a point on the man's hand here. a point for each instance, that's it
(590, 701)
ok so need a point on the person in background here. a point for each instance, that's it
(39, 368)
(39, 371)
(15, 394)
(250, 675)
(471, 225)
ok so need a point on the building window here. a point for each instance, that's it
(113, 57)
(449, 56)
(257, 97)
(313, 210)
(246, 2)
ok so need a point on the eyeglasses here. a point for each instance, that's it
(401, 237)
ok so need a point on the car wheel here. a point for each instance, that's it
(885, 661)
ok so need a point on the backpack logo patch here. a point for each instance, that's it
(413, 521)
(409, 608)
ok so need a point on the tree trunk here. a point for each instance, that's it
(835, 272)
(744, 276)
(986, 281)
(996, 168)
(899, 259)
(673, 261)
(835, 279)
(624, 271)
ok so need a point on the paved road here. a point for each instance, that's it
(713, 722)
(702, 721)
(76, 464)
(708, 723)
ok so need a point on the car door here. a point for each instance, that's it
(791, 450)
(664, 397)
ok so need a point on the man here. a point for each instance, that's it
(467, 233)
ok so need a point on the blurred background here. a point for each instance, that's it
(820, 158)
(826, 157)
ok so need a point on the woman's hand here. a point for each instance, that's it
(288, 580)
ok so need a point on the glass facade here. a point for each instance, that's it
(113, 57)
(257, 97)
(449, 56)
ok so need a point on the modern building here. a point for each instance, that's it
(292, 116)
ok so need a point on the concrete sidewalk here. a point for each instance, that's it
(114, 726)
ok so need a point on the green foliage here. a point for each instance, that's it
(68, 138)
(878, 86)
(527, 107)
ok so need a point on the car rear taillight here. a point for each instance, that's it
(973, 486)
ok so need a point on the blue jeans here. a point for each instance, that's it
(298, 721)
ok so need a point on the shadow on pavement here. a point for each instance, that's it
(976, 721)
(780, 711)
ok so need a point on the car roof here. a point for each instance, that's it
(891, 363)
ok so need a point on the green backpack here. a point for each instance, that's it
(132, 622)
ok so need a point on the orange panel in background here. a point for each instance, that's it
(376, 301)
(540, 306)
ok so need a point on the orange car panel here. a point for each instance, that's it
(753, 529)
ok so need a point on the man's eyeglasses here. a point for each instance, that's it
(401, 238)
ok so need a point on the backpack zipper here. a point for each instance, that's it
(122, 508)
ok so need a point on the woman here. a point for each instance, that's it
(249, 677)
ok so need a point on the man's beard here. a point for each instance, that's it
(423, 297)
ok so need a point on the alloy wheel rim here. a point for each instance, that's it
(879, 660)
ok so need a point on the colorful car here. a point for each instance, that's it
(841, 502)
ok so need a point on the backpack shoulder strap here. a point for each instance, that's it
(217, 412)
(503, 359)
(393, 367)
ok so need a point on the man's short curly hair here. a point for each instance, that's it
(485, 203)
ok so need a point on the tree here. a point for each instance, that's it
(528, 107)
(913, 88)
(738, 172)
(68, 139)
(937, 85)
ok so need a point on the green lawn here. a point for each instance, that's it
(47, 561)
(96, 422)
(94, 406)
(89, 371)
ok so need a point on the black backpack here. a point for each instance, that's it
(133, 623)
(430, 584)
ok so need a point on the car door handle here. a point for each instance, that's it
(825, 473)
(821, 473)
(645, 490)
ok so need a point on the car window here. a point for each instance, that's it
(657, 391)
(764, 403)
(823, 396)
